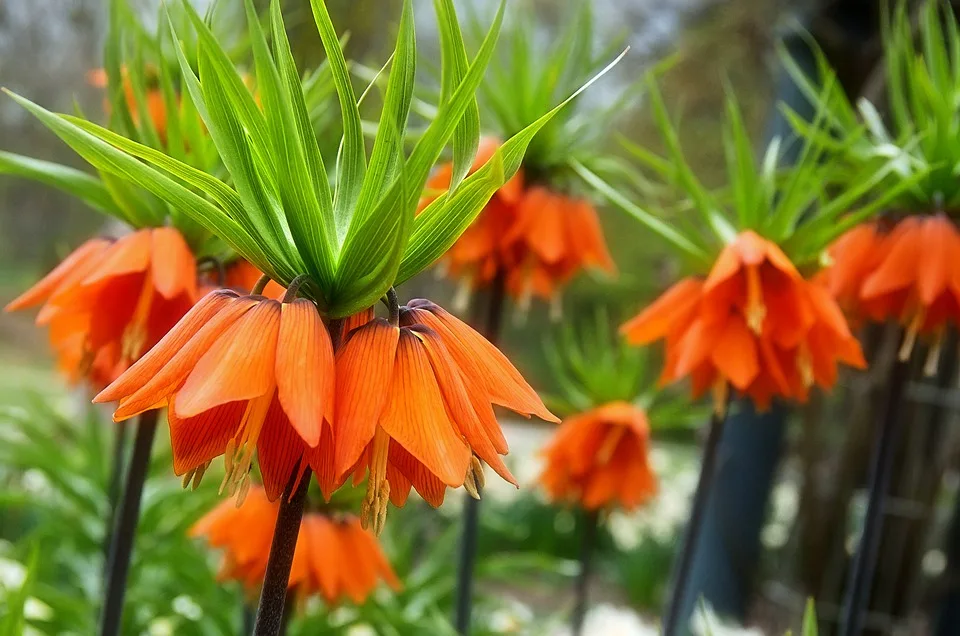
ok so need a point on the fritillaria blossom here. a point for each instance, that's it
(754, 324)
(110, 301)
(600, 459)
(334, 557)
(414, 406)
(535, 237)
(908, 272)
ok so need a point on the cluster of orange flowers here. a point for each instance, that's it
(536, 238)
(599, 459)
(754, 324)
(908, 272)
(245, 374)
(109, 301)
(334, 557)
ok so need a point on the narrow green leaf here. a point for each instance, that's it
(79, 184)
(466, 137)
(351, 165)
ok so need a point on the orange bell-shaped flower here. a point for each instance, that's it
(110, 301)
(414, 404)
(241, 374)
(536, 238)
(334, 557)
(600, 459)
(913, 278)
(754, 324)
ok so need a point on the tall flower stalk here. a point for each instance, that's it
(749, 320)
(538, 231)
(901, 266)
(233, 373)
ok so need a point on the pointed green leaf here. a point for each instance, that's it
(351, 165)
(79, 184)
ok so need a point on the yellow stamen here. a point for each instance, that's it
(805, 366)
(195, 476)
(721, 391)
(910, 339)
(474, 481)
(556, 306)
(373, 510)
(756, 311)
(243, 489)
(933, 358)
(238, 454)
(461, 299)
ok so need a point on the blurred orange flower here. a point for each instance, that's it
(334, 557)
(414, 404)
(153, 98)
(539, 239)
(600, 459)
(239, 374)
(754, 324)
(109, 301)
(909, 273)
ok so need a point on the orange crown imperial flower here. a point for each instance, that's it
(334, 557)
(241, 374)
(600, 459)
(755, 324)
(537, 238)
(414, 406)
(109, 301)
(909, 273)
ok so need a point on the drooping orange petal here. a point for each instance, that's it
(327, 557)
(322, 460)
(899, 268)
(480, 361)
(164, 374)
(81, 259)
(197, 440)
(664, 313)
(415, 417)
(159, 356)
(173, 264)
(545, 228)
(127, 255)
(585, 235)
(425, 482)
(735, 354)
(364, 365)
(458, 404)
(240, 365)
(304, 368)
(279, 451)
(938, 264)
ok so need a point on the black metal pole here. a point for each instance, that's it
(471, 506)
(114, 483)
(860, 577)
(590, 524)
(681, 577)
(125, 528)
(270, 614)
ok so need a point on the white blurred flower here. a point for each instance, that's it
(608, 620)
(187, 607)
(705, 622)
(934, 563)
(361, 630)
(161, 627)
(626, 530)
(35, 483)
(775, 535)
(36, 610)
(12, 574)
(511, 619)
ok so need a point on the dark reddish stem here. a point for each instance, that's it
(273, 596)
